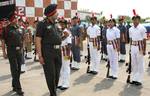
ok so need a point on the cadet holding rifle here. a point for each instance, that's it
(113, 44)
(138, 36)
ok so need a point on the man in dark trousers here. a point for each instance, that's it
(104, 40)
(48, 41)
(12, 38)
(123, 40)
(75, 31)
(127, 28)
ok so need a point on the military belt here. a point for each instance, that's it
(135, 43)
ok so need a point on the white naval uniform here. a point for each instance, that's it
(94, 32)
(65, 69)
(111, 35)
(137, 58)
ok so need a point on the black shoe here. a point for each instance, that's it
(94, 72)
(133, 82)
(121, 61)
(73, 68)
(59, 87)
(14, 89)
(110, 77)
(90, 72)
(114, 78)
(63, 88)
(22, 72)
(138, 83)
(20, 92)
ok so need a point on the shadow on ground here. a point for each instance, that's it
(130, 90)
(85, 78)
(5, 77)
(148, 71)
(104, 84)
(10, 93)
(35, 68)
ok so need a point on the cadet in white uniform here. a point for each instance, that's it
(93, 33)
(66, 54)
(113, 44)
(138, 37)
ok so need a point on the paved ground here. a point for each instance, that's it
(82, 84)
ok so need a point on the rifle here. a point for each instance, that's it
(129, 69)
(88, 59)
(108, 68)
(71, 61)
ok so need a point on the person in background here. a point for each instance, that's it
(28, 41)
(12, 38)
(123, 40)
(66, 55)
(75, 31)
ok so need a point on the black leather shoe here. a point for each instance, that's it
(110, 77)
(121, 61)
(138, 83)
(14, 89)
(133, 82)
(114, 78)
(22, 72)
(90, 72)
(59, 87)
(94, 72)
(73, 68)
(63, 88)
(20, 92)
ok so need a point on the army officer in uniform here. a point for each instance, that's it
(48, 41)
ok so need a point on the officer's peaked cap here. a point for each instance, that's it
(7, 12)
(50, 10)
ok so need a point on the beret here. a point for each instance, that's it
(112, 20)
(7, 12)
(136, 17)
(63, 21)
(75, 17)
(93, 17)
(50, 10)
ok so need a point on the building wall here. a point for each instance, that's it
(31, 9)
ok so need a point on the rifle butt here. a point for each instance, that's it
(128, 79)
(88, 69)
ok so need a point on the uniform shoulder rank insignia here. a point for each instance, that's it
(49, 27)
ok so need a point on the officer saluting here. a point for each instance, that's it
(138, 37)
(48, 41)
(14, 42)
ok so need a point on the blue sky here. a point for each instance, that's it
(117, 7)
